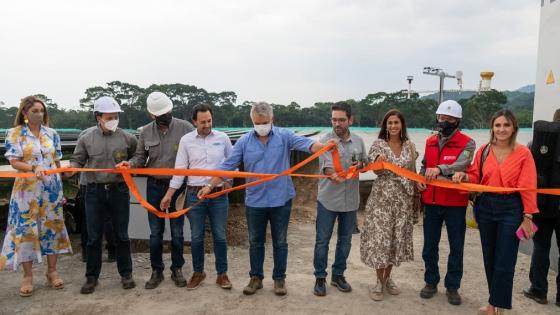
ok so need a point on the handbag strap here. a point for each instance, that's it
(483, 157)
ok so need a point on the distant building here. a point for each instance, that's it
(547, 87)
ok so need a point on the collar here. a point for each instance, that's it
(25, 130)
(334, 135)
(210, 134)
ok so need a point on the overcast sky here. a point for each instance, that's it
(278, 51)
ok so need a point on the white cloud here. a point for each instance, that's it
(279, 51)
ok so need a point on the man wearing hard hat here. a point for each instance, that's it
(447, 152)
(157, 148)
(104, 146)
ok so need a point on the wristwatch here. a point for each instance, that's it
(528, 216)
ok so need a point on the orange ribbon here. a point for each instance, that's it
(352, 172)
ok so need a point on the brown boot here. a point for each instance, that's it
(196, 280)
(254, 284)
(223, 281)
(280, 287)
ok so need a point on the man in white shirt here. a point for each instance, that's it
(203, 148)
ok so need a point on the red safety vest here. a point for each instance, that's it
(448, 155)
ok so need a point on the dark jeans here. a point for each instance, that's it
(454, 218)
(100, 203)
(498, 217)
(540, 260)
(324, 228)
(217, 211)
(257, 221)
(155, 190)
(108, 228)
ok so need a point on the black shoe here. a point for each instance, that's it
(177, 277)
(356, 230)
(530, 293)
(428, 291)
(453, 297)
(340, 283)
(128, 282)
(89, 286)
(320, 288)
(155, 280)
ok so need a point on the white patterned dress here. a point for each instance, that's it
(35, 220)
(386, 237)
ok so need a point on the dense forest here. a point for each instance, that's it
(369, 111)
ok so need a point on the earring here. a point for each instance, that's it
(25, 120)
(387, 134)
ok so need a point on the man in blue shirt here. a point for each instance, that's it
(266, 150)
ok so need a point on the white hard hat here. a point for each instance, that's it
(159, 104)
(106, 104)
(450, 108)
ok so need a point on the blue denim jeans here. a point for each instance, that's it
(454, 218)
(100, 203)
(155, 190)
(257, 221)
(540, 260)
(324, 227)
(217, 212)
(498, 217)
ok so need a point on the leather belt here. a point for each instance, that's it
(197, 188)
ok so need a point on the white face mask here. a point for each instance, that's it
(111, 125)
(263, 130)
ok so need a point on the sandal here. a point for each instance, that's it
(484, 310)
(26, 289)
(54, 280)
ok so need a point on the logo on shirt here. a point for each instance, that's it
(449, 158)
(543, 149)
(120, 156)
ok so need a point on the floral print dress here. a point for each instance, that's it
(386, 237)
(35, 220)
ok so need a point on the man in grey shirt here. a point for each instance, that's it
(337, 198)
(157, 148)
(106, 193)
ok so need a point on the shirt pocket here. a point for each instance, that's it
(153, 148)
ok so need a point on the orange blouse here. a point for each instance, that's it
(516, 171)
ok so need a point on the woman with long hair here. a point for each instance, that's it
(505, 163)
(386, 239)
(35, 220)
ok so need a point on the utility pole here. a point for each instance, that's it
(442, 75)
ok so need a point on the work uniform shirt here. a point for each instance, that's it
(345, 196)
(158, 149)
(103, 150)
(200, 152)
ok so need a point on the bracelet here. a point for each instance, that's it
(528, 216)
(209, 186)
